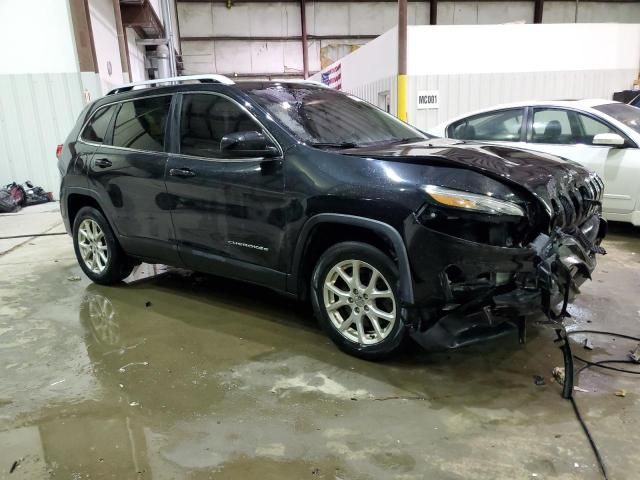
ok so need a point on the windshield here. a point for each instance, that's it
(623, 113)
(324, 117)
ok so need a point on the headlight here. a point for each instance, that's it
(472, 201)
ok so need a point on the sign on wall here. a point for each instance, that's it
(428, 99)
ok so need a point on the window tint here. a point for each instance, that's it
(630, 116)
(590, 127)
(96, 129)
(503, 126)
(551, 126)
(565, 127)
(140, 124)
(205, 119)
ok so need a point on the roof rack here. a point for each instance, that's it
(211, 78)
(301, 81)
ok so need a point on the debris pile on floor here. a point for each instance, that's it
(14, 196)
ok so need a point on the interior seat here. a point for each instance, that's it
(552, 132)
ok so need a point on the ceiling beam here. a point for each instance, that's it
(233, 2)
(257, 38)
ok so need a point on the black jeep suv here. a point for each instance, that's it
(317, 194)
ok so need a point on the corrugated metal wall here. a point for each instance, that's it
(371, 91)
(37, 112)
(463, 93)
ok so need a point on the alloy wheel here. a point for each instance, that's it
(93, 246)
(359, 302)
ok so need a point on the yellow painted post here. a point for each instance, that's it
(402, 97)
(402, 60)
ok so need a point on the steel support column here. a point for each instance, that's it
(402, 60)
(83, 33)
(305, 45)
(538, 8)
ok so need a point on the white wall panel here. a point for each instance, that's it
(327, 18)
(376, 60)
(136, 57)
(370, 91)
(462, 93)
(25, 25)
(591, 12)
(37, 112)
(558, 12)
(370, 18)
(504, 12)
(418, 13)
(195, 19)
(499, 48)
(105, 39)
(231, 57)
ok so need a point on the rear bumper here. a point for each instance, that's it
(467, 292)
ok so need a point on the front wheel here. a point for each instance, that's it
(97, 250)
(355, 298)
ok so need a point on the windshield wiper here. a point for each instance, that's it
(404, 140)
(334, 144)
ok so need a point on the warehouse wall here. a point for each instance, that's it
(279, 19)
(603, 58)
(370, 72)
(105, 39)
(136, 57)
(206, 55)
(40, 89)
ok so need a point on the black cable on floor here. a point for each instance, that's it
(33, 235)
(601, 364)
(566, 349)
(567, 393)
(594, 447)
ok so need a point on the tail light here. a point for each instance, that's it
(59, 151)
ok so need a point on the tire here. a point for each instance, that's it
(362, 337)
(104, 261)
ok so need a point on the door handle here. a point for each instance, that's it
(103, 163)
(182, 172)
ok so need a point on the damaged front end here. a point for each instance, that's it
(481, 277)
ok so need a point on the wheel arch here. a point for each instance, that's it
(78, 198)
(353, 228)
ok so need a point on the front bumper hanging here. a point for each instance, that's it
(560, 264)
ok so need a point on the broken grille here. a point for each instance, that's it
(574, 206)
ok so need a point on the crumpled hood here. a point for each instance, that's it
(546, 176)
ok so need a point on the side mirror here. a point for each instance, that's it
(608, 139)
(247, 144)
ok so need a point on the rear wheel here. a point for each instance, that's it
(355, 297)
(97, 250)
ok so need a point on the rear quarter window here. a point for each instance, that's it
(501, 125)
(140, 124)
(96, 128)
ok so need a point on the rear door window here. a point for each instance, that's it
(500, 126)
(206, 118)
(96, 129)
(140, 124)
(551, 125)
(565, 127)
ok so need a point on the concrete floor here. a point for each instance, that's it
(183, 376)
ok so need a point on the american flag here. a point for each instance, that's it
(333, 77)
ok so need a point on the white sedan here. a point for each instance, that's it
(602, 135)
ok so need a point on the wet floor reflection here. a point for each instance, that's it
(181, 375)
